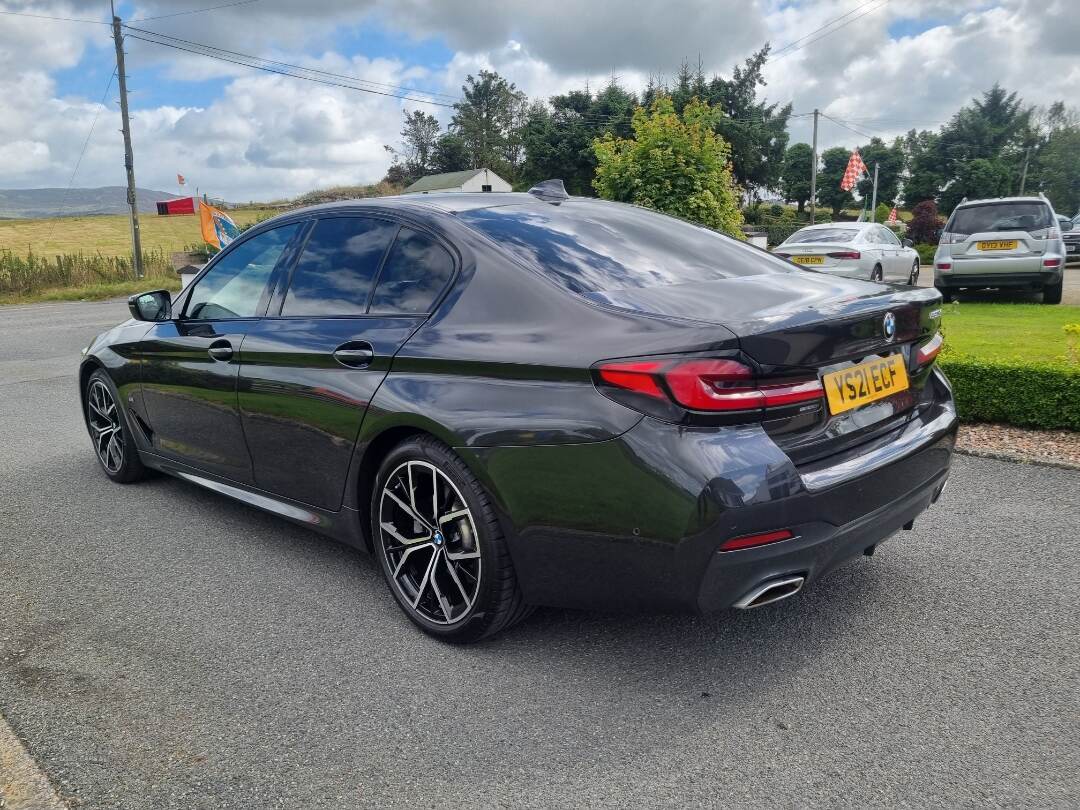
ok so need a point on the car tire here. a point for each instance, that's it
(913, 278)
(109, 431)
(1051, 293)
(877, 274)
(440, 546)
(947, 295)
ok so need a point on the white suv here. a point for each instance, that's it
(1009, 242)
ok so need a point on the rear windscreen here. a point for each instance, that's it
(1006, 216)
(808, 235)
(595, 246)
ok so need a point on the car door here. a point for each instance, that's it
(189, 365)
(360, 287)
(892, 256)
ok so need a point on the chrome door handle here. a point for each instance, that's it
(354, 355)
(220, 350)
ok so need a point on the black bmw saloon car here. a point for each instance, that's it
(521, 399)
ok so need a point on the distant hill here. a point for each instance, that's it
(36, 203)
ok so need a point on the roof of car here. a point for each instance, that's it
(991, 200)
(854, 226)
(447, 201)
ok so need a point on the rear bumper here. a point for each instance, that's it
(1027, 281)
(636, 523)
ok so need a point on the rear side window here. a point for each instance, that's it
(1004, 216)
(338, 266)
(811, 235)
(415, 272)
(593, 246)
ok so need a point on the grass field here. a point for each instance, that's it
(109, 235)
(1009, 332)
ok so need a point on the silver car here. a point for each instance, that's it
(1005, 243)
(857, 249)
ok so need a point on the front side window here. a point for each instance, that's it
(233, 287)
(416, 271)
(887, 237)
(334, 274)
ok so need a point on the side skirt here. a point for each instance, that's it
(343, 525)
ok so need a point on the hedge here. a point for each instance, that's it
(1036, 395)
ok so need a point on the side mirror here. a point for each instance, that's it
(908, 243)
(151, 306)
(1066, 227)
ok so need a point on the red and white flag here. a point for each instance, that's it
(855, 169)
(892, 215)
(180, 179)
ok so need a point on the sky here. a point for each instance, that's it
(242, 134)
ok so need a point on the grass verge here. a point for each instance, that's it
(92, 292)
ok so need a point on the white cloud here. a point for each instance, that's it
(268, 136)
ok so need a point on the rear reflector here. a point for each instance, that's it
(943, 265)
(845, 254)
(928, 351)
(751, 540)
(1051, 262)
(706, 384)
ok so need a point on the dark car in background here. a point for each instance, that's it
(527, 399)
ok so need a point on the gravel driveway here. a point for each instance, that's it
(163, 647)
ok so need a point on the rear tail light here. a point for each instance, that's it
(929, 350)
(951, 238)
(751, 540)
(1051, 262)
(704, 384)
(844, 254)
(943, 265)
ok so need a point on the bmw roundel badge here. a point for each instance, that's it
(889, 326)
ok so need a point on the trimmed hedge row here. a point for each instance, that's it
(1040, 395)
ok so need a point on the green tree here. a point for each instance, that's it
(559, 136)
(833, 165)
(795, 179)
(490, 120)
(977, 179)
(415, 156)
(890, 161)
(1061, 170)
(925, 172)
(451, 154)
(675, 164)
(755, 130)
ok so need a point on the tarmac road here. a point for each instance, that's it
(161, 647)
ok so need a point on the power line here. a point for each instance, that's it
(845, 126)
(882, 5)
(82, 153)
(50, 17)
(779, 51)
(196, 11)
(287, 69)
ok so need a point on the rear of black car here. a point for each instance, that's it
(804, 422)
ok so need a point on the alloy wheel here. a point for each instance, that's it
(430, 542)
(106, 429)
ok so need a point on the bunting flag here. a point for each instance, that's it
(855, 169)
(217, 228)
(180, 179)
(892, 215)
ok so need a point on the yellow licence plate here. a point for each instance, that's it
(998, 244)
(864, 383)
(808, 259)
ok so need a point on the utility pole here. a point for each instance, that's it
(129, 160)
(873, 199)
(1023, 174)
(813, 172)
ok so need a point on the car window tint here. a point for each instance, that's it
(593, 246)
(338, 264)
(233, 286)
(888, 237)
(416, 270)
(1005, 216)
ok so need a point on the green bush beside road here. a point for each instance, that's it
(1014, 363)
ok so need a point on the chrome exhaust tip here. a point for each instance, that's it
(771, 591)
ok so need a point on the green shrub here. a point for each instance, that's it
(21, 275)
(1035, 395)
(926, 254)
